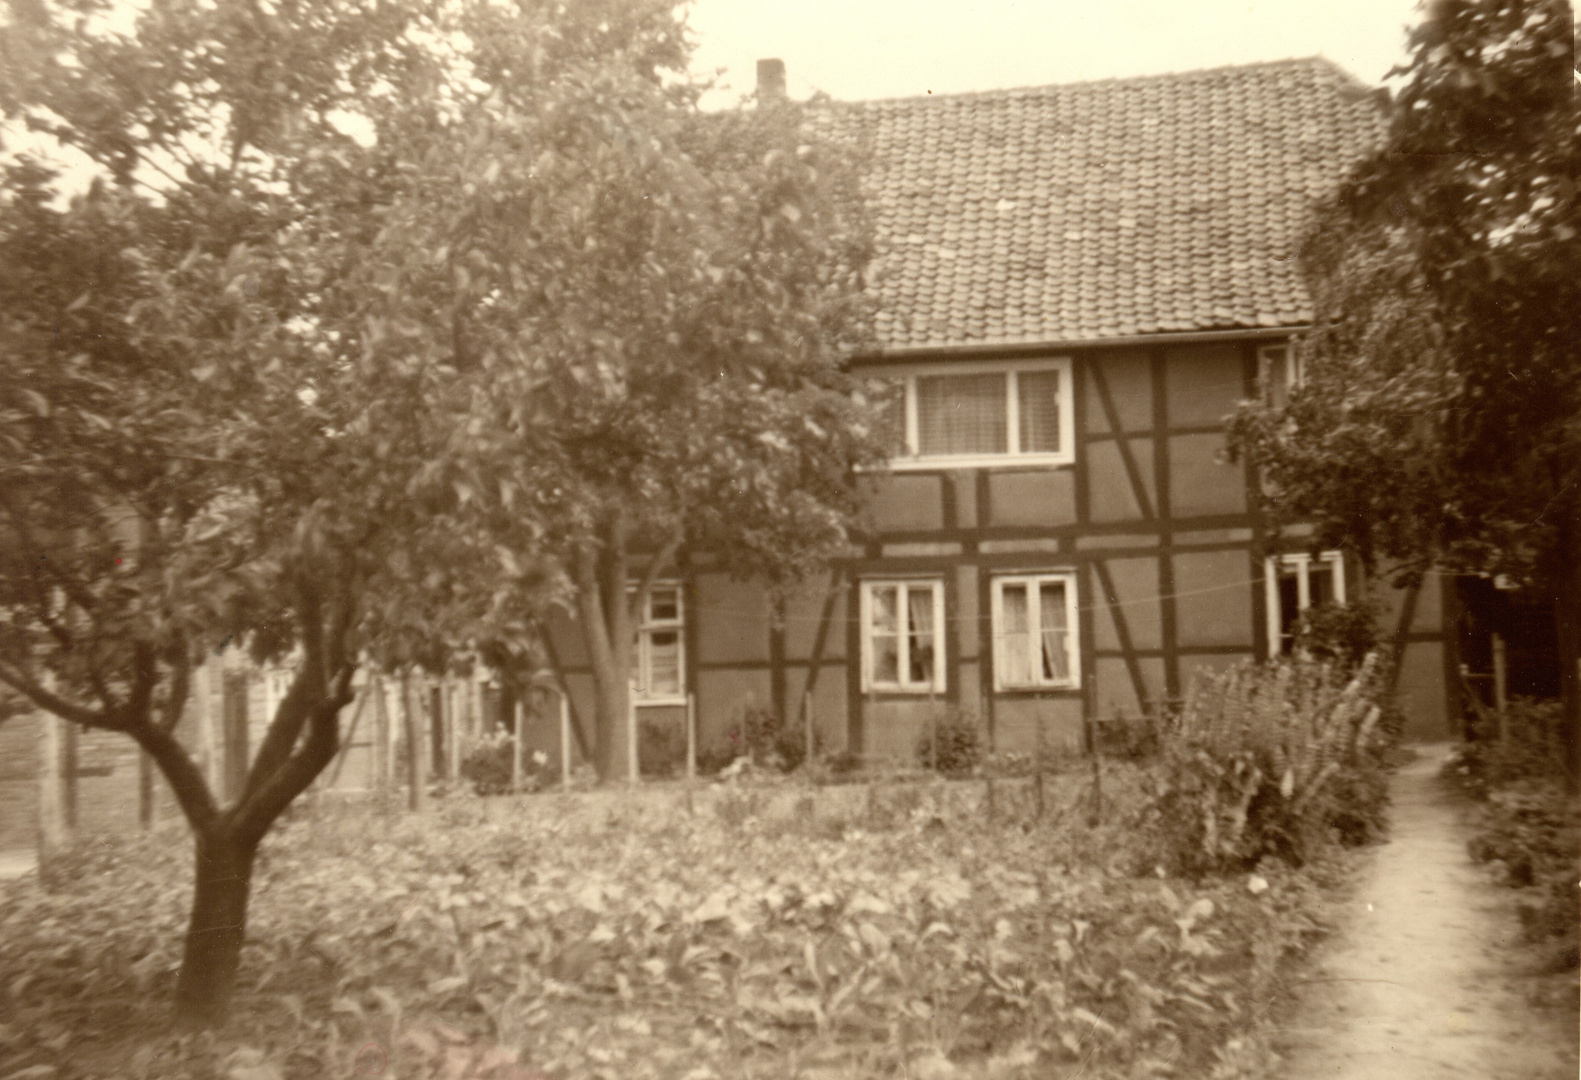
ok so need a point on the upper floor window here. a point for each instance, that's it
(961, 414)
(1034, 618)
(658, 668)
(1280, 370)
(1296, 583)
(903, 636)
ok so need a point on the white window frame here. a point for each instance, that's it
(1033, 580)
(1281, 362)
(1302, 564)
(644, 627)
(912, 460)
(904, 587)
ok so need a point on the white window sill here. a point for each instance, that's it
(976, 461)
(643, 701)
(900, 691)
(1027, 688)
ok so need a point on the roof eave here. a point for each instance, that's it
(997, 350)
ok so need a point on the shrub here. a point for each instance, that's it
(1273, 760)
(1129, 739)
(1008, 763)
(844, 764)
(487, 766)
(1533, 829)
(661, 747)
(715, 757)
(1529, 748)
(1526, 822)
(960, 748)
(763, 736)
(1340, 634)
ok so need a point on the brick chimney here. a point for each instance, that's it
(771, 80)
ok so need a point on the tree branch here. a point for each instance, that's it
(186, 779)
(665, 556)
(292, 714)
(46, 699)
(259, 808)
(322, 687)
(145, 676)
(180, 684)
(591, 610)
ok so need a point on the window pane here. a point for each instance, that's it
(1289, 608)
(884, 634)
(1051, 613)
(664, 604)
(1015, 646)
(961, 414)
(1320, 583)
(886, 659)
(883, 609)
(1038, 392)
(1274, 372)
(919, 604)
(664, 656)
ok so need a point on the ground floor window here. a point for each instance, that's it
(903, 636)
(1034, 623)
(659, 671)
(1298, 582)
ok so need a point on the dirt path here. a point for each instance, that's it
(1428, 978)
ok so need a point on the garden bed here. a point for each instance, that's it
(891, 929)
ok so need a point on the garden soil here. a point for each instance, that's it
(1428, 977)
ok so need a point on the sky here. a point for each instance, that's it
(861, 49)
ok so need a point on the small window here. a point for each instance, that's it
(984, 414)
(1034, 617)
(1296, 583)
(659, 671)
(903, 636)
(1280, 370)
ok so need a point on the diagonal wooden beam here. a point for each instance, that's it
(1122, 631)
(1112, 415)
(821, 638)
(582, 742)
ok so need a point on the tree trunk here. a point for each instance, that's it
(412, 721)
(611, 714)
(1567, 624)
(216, 930)
(604, 616)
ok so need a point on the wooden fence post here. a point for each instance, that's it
(447, 717)
(380, 780)
(518, 736)
(691, 736)
(807, 718)
(235, 728)
(394, 731)
(1038, 786)
(51, 810)
(632, 764)
(565, 739)
(208, 745)
(416, 745)
(1500, 684)
(145, 790)
(70, 736)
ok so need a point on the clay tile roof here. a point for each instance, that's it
(1075, 213)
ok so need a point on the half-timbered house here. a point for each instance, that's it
(1077, 285)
